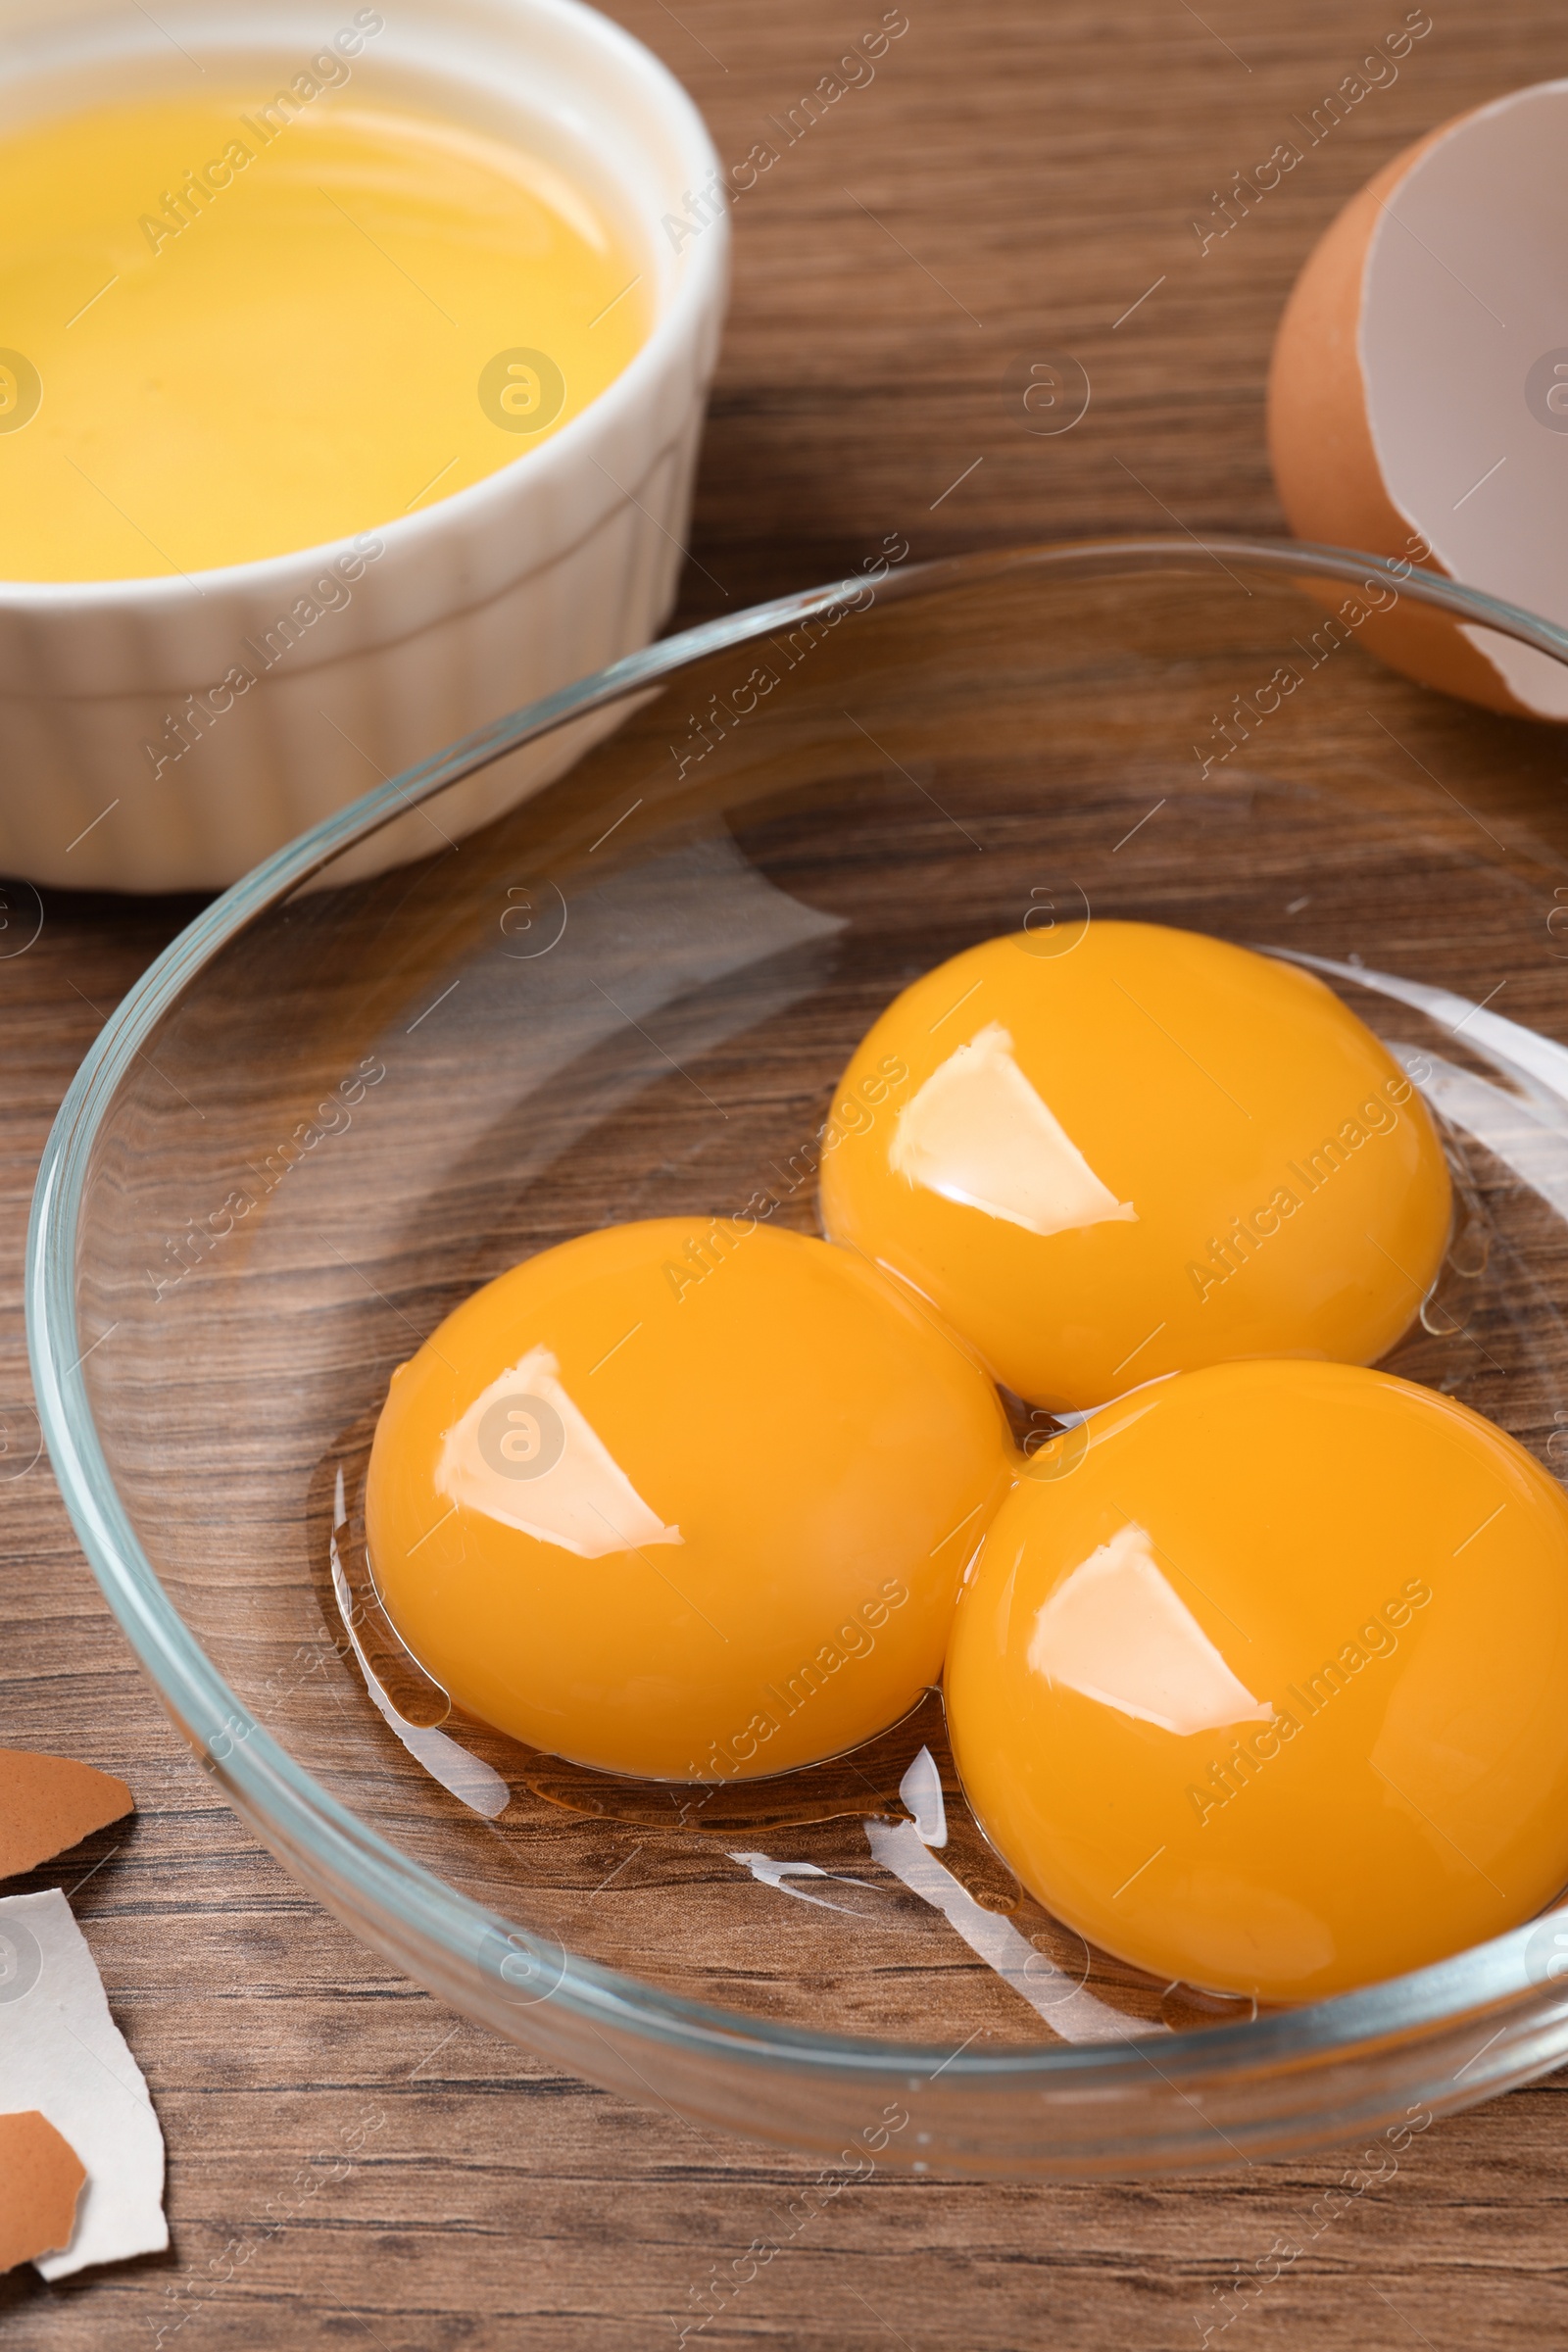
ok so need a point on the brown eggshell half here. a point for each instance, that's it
(1325, 391)
(48, 1804)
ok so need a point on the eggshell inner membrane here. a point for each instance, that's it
(1464, 292)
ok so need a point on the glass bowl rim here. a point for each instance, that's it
(286, 1806)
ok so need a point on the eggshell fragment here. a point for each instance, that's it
(62, 2053)
(1413, 408)
(44, 2177)
(48, 1804)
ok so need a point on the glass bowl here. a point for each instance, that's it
(337, 1103)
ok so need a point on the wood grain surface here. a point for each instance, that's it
(348, 2162)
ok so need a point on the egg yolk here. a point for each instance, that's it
(1134, 1152)
(1258, 1679)
(689, 1501)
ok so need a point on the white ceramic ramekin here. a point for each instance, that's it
(126, 764)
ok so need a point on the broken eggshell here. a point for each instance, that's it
(62, 2053)
(44, 2177)
(49, 1803)
(1419, 390)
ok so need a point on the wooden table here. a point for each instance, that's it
(1020, 178)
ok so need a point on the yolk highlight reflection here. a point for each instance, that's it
(1140, 1154)
(688, 1501)
(1261, 1688)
